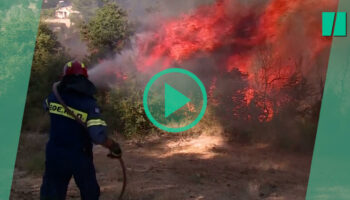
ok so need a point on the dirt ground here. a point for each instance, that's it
(194, 168)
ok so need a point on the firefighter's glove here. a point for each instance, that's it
(115, 151)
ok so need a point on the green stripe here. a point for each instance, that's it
(330, 169)
(18, 28)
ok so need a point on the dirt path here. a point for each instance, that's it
(205, 167)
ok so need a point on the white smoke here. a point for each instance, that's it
(106, 73)
(144, 15)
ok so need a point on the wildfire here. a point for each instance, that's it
(263, 43)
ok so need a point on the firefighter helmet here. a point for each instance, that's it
(75, 68)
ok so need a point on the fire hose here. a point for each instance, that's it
(71, 113)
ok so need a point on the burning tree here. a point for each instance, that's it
(253, 57)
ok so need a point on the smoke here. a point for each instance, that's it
(146, 17)
(246, 52)
(146, 12)
(109, 72)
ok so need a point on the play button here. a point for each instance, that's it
(175, 100)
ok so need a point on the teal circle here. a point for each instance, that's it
(181, 71)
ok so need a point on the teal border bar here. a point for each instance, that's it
(18, 29)
(340, 24)
(330, 169)
(327, 23)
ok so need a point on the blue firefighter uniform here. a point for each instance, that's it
(69, 149)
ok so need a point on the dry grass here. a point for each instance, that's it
(31, 153)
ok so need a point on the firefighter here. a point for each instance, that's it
(69, 149)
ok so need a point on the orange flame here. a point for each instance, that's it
(262, 44)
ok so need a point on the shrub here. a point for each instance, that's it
(123, 110)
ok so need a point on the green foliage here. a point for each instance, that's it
(48, 61)
(123, 110)
(86, 7)
(107, 31)
(46, 45)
